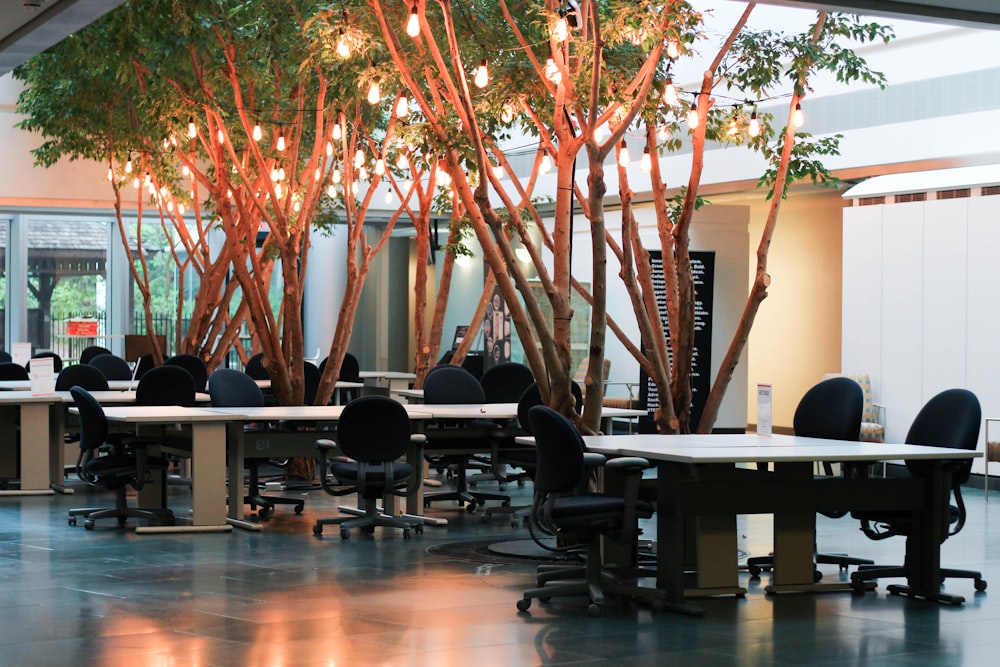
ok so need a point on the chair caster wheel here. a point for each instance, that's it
(980, 585)
(262, 513)
(89, 524)
(72, 521)
(345, 533)
(593, 610)
(523, 604)
(471, 508)
(317, 530)
(754, 571)
(419, 529)
(406, 534)
(858, 586)
(520, 482)
(298, 509)
(505, 503)
(817, 576)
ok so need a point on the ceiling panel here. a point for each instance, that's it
(979, 13)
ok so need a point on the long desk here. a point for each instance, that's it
(26, 436)
(701, 489)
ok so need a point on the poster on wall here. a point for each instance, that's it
(703, 271)
(496, 331)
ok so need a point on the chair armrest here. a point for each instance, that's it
(630, 468)
(414, 455)
(628, 463)
(593, 459)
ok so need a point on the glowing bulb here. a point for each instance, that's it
(147, 179)
(281, 141)
(374, 94)
(402, 107)
(546, 165)
(343, 48)
(359, 158)
(136, 183)
(507, 113)
(110, 175)
(413, 23)
(692, 117)
(482, 75)
(402, 162)
(281, 174)
(670, 93)
(316, 174)
(363, 174)
(354, 188)
(560, 32)
(258, 133)
(331, 190)
(797, 117)
(673, 49)
(335, 177)
(388, 197)
(380, 167)
(498, 171)
(732, 129)
(552, 72)
(753, 128)
(663, 132)
(181, 209)
(277, 190)
(170, 206)
(186, 170)
(647, 161)
(274, 175)
(623, 157)
(128, 166)
(337, 132)
(192, 128)
(329, 149)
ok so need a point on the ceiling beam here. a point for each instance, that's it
(971, 13)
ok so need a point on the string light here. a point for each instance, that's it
(482, 77)
(402, 162)
(507, 112)
(673, 49)
(343, 48)
(670, 93)
(335, 176)
(337, 132)
(192, 128)
(388, 197)
(221, 136)
(623, 157)
(128, 166)
(647, 161)
(281, 140)
(136, 183)
(257, 133)
(552, 72)
(331, 190)
(560, 31)
(329, 149)
(379, 167)
(692, 116)
(359, 158)
(413, 23)
(402, 107)
(278, 190)
(110, 176)
(374, 94)
(546, 165)
(281, 173)
(498, 171)
(186, 170)
(797, 117)
(753, 128)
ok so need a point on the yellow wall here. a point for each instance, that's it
(796, 336)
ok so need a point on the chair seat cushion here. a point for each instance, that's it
(347, 471)
(122, 465)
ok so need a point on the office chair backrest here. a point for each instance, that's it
(57, 363)
(113, 368)
(350, 369)
(452, 384)
(831, 409)
(532, 397)
(311, 376)
(166, 385)
(91, 352)
(504, 383)
(949, 419)
(82, 375)
(144, 364)
(230, 388)
(93, 423)
(193, 365)
(559, 449)
(373, 429)
(5, 357)
(11, 371)
(255, 367)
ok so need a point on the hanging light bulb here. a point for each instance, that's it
(647, 161)
(482, 75)
(221, 136)
(753, 127)
(281, 173)
(498, 171)
(180, 209)
(623, 157)
(229, 193)
(277, 191)
(192, 128)
(335, 176)
(343, 48)
(274, 175)
(546, 165)
(128, 166)
(560, 31)
(380, 167)
(670, 93)
(797, 117)
(170, 206)
(402, 107)
(733, 127)
(331, 191)
(147, 179)
(507, 112)
(329, 149)
(388, 197)
(136, 183)
(359, 158)
(552, 72)
(354, 188)
(413, 23)
(663, 132)
(281, 140)
(337, 132)
(692, 116)
(316, 174)
(402, 162)
(374, 94)
(258, 133)
(110, 176)
(186, 170)
(673, 49)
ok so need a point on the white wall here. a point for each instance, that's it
(921, 305)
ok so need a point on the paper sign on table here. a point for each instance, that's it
(43, 376)
(20, 353)
(764, 409)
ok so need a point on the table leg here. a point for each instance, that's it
(35, 450)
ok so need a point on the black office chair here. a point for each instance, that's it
(229, 388)
(166, 385)
(5, 357)
(112, 367)
(193, 365)
(350, 371)
(832, 410)
(506, 382)
(255, 367)
(82, 375)
(311, 376)
(91, 352)
(11, 371)
(949, 419)
(127, 464)
(374, 432)
(143, 365)
(456, 443)
(560, 508)
(57, 363)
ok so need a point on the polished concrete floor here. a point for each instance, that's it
(282, 597)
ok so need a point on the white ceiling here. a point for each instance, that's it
(28, 27)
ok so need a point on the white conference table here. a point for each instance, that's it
(338, 387)
(506, 411)
(391, 380)
(701, 488)
(25, 385)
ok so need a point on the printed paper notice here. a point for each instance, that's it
(764, 409)
(20, 353)
(43, 377)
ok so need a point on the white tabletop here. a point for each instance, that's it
(16, 397)
(25, 385)
(163, 414)
(388, 375)
(303, 412)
